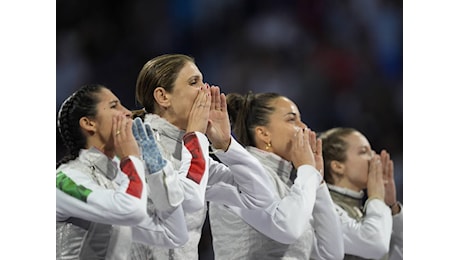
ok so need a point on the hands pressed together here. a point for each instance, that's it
(307, 149)
(209, 116)
(124, 142)
(381, 182)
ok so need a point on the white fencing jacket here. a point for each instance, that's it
(101, 209)
(300, 219)
(369, 232)
(237, 180)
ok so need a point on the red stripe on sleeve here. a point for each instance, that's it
(135, 183)
(197, 165)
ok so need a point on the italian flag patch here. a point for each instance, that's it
(67, 185)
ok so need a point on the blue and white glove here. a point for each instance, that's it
(146, 141)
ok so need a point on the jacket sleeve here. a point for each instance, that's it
(163, 228)
(285, 219)
(194, 170)
(164, 188)
(396, 244)
(171, 191)
(78, 195)
(240, 180)
(370, 237)
(328, 240)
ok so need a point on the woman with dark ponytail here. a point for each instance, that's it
(101, 193)
(301, 222)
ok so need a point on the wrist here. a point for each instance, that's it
(395, 208)
(375, 197)
(221, 147)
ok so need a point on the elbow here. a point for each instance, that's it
(288, 236)
(287, 239)
(378, 248)
(377, 253)
(382, 244)
(338, 254)
(294, 235)
(258, 202)
(192, 205)
(177, 241)
(134, 216)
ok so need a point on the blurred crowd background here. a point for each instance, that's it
(340, 61)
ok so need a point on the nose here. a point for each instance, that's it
(128, 113)
(372, 153)
(302, 125)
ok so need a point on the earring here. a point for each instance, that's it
(268, 146)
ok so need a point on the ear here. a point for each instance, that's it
(262, 134)
(337, 167)
(161, 96)
(87, 124)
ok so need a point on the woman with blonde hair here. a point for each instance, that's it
(351, 168)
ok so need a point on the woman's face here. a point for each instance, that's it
(186, 86)
(284, 123)
(358, 155)
(108, 107)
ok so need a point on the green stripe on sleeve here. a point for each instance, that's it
(67, 185)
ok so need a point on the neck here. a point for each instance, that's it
(174, 120)
(108, 152)
(344, 183)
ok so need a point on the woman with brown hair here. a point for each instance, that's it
(187, 117)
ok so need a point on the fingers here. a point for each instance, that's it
(203, 99)
(215, 98)
(384, 158)
(119, 123)
(375, 184)
(148, 129)
(128, 123)
(141, 133)
(136, 125)
(223, 103)
(391, 170)
(387, 165)
(312, 140)
(300, 137)
(319, 146)
(218, 100)
(199, 113)
(375, 168)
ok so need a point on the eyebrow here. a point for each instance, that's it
(291, 113)
(194, 77)
(114, 102)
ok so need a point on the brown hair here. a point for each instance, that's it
(334, 148)
(247, 112)
(161, 71)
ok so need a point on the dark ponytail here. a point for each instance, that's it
(81, 103)
(247, 112)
